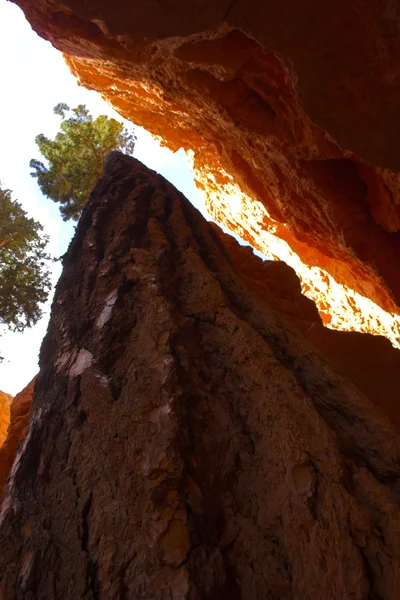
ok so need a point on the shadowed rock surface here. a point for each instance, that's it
(292, 105)
(186, 440)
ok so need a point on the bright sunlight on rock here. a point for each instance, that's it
(199, 428)
(279, 103)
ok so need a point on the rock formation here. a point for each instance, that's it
(5, 401)
(186, 439)
(293, 108)
(18, 421)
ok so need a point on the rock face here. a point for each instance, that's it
(291, 107)
(186, 439)
(5, 401)
(18, 421)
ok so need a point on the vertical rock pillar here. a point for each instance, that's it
(186, 441)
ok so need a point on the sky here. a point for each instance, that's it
(34, 79)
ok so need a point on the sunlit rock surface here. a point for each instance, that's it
(18, 421)
(5, 401)
(188, 437)
(295, 106)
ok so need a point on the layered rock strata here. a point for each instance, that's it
(295, 106)
(18, 420)
(186, 439)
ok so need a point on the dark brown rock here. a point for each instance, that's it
(186, 440)
(368, 360)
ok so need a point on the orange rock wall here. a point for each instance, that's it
(369, 361)
(5, 401)
(19, 417)
(296, 105)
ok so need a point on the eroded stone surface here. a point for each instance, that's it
(296, 104)
(203, 448)
(5, 401)
(20, 408)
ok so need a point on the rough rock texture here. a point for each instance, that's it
(18, 421)
(186, 440)
(5, 401)
(294, 103)
(368, 360)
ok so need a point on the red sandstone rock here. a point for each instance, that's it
(368, 360)
(5, 401)
(186, 439)
(297, 102)
(19, 417)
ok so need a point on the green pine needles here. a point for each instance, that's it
(24, 271)
(73, 164)
(75, 156)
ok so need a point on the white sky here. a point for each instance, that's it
(34, 79)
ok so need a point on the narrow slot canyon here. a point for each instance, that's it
(207, 424)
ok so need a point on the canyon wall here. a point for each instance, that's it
(188, 437)
(20, 409)
(5, 401)
(290, 111)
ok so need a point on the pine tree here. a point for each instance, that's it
(75, 157)
(24, 266)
